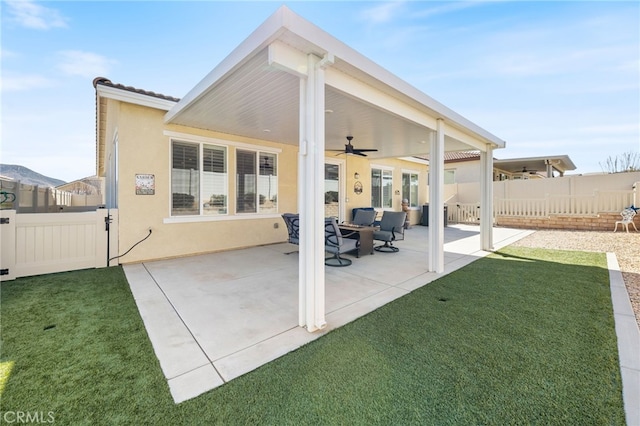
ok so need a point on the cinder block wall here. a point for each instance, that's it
(601, 222)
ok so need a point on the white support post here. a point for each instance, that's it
(302, 180)
(436, 200)
(486, 197)
(311, 197)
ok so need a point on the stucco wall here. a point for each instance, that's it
(145, 149)
(399, 167)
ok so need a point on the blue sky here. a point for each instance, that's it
(549, 77)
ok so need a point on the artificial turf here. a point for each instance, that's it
(524, 336)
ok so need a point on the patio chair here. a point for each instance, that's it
(627, 218)
(292, 220)
(391, 229)
(364, 217)
(336, 244)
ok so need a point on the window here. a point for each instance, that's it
(256, 182)
(410, 188)
(449, 177)
(381, 188)
(198, 179)
(214, 180)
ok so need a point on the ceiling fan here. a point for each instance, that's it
(531, 172)
(349, 149)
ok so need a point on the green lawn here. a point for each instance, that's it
(524, 336)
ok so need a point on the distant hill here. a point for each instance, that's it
(28, 176)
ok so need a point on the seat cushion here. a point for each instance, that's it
(383, 235)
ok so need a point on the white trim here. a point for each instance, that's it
(134, 98)
(186, 137)
(221, 218)
(411, 171)
(377, 166)
(415, 160)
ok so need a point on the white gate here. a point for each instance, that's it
(44, 243)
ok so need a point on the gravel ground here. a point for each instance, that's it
(625, 246)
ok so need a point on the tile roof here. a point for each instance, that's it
(454, 157)
(106, 82)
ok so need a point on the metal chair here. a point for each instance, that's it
(627, 218)
(292, 220)
(391, 229)
(336, 244)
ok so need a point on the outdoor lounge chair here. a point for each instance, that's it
(336, 244)
(627, 218)
(391, 229)
(364, 217)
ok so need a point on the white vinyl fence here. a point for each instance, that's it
(565, 205)
(562, 205)
(43, 243)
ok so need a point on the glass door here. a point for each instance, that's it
(333, 199)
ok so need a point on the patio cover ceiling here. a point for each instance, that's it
(561, 163)
(255, 92)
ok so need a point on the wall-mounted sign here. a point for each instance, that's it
(145, 184)
(357, 188)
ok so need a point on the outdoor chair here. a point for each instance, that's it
(292, 220)
(391, 229)
(364, 217)
(335, 243)
(627, 218)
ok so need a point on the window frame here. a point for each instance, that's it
(452, 174)
(201, 177)
(259, 153)
(231, 148)
(413, 204)
(389, 172)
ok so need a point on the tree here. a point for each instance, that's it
(625, 162)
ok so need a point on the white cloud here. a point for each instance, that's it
(452, 6)
(35, 16)
(6, 54)
(84, 64)
(382, 13)
(16, 83)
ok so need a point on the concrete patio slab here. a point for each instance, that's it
(214, 317)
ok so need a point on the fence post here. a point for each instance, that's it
(546, 205)
(8, 245)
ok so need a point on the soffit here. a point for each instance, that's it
(561, 163)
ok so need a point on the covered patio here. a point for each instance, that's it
(292, 83)
(214, 317)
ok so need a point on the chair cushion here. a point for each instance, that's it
(364, 217)
(383, 235)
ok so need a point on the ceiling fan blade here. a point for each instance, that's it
(365, 150)
(359, 153)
